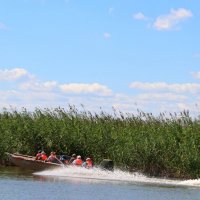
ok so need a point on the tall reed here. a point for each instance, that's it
(165, 145)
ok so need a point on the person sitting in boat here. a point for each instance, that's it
(38, 155)
(43, 156)
(72, 158)
(88, 163)
(78, 161)
(65, 159)
(52, 158)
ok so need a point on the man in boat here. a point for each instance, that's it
(72, 158)
(65, 159)
(38, 155)
(78, 161)
(52, 158)
(88, 163)
(43, 156)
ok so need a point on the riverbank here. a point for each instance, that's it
(161, 146)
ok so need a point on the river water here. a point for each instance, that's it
(77, 183)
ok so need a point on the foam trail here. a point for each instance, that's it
(97, 174)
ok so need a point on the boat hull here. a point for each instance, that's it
(29, 162)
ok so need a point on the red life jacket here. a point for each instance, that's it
(78, 162)
(43, 157)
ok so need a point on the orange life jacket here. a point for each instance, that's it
(43, 157)
(78, 162)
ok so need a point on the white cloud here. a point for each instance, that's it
(50, 84)
(29, 99)
(33, 84)
(185, 87)
(167, 22)
(12, 74)
(107, 35)
(73, 88)
(161, 97)
(139, 16)
(86, 88)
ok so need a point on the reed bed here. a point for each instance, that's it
(163, 145)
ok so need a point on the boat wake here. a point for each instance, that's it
(118, 176)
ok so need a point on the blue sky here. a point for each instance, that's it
(126, 54)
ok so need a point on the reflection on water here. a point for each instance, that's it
(15, 172)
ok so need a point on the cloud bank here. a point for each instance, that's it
(27, 91)
(185, 87)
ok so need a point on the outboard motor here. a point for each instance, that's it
(107, 164)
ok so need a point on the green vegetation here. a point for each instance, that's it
(158, 146)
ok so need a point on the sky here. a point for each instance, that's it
(126, 55)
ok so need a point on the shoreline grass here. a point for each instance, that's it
(165, 146)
